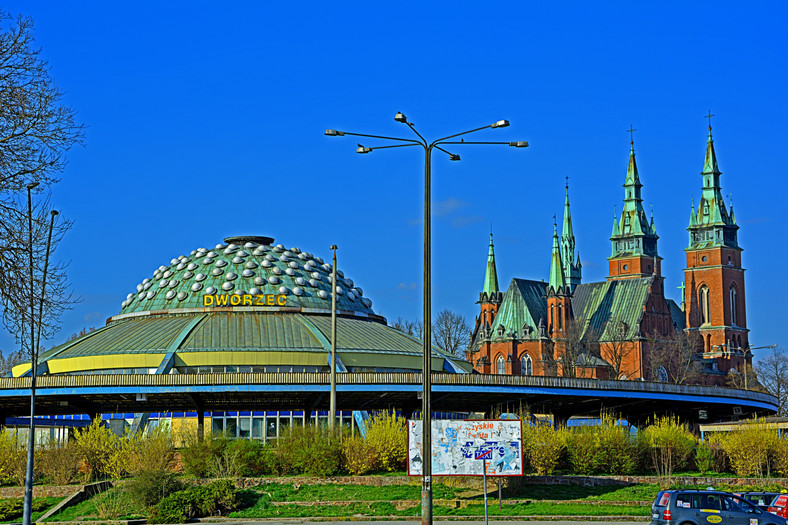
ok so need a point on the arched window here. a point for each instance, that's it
(500, 365)
(734, 300)
(560, 318)
(526, 365)
(708, 342)
(552, 317)
(704, 305)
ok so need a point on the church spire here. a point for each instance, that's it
(491, 274)
(571, 269)
(557, 283)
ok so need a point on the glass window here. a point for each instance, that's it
(258, 424)
(244, 427)
(526, 365)
(733, 304)
(500, 367)
(217, 425)
(284, 425)
(704, 305)
(270, 428)
(231, 427)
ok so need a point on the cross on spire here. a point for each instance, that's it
(567, 182)
(631, 131)
(709, 117)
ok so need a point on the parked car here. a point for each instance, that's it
(704, 507)
(779, 506)
(760, 499)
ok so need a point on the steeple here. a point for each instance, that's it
(572, 269)
(712, 224)
(557, 282)
(491, 275)
(633, 235)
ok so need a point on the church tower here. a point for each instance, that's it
(571, 266)
(634, 239)
(559, 294)
(491, 297)
(714, 277)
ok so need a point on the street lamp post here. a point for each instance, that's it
(426, 414)
(749, 350)
(332, 411)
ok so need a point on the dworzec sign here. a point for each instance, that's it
(455, 444)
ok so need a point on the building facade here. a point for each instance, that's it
(624, 327)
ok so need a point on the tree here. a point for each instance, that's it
(412, 328)
(575, 346)
(450, 331)
(772, 373)
(618, 347)
(10, 361)
(674, 358)
(36, 132)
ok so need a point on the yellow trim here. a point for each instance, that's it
(317, 358)
(103, 362)
(20, 369)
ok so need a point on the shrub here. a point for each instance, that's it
(704, 458)
(387, 435)
(149, 487)
(98, 447)
(197, 455)
(217, 497)
(615, 450)
(581, 448)
(151, 451)
(309, 450)
(59, 462)
(7, 448)
(781, 457)
(545, 445)
(670, 445)
(11, 509)
(750, 448)
(360, 457)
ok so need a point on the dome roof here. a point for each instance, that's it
(251, 266)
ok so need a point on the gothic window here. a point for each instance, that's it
(704, 305)
(733, 298)
(526, 365)
(560, 318)
(552, 317)
(500, 365)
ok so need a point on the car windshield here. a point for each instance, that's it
(738, 504)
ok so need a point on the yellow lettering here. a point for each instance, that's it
(221, 300)
(259, 300)
(247, 300)
(235, 300)
(281, 300)
(269, 300)
(207, 300)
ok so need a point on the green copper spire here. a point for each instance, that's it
(557, 282)
(571, 269)
(491, 275)
(712, 224)
(633, 235)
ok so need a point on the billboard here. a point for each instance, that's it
(455, 445)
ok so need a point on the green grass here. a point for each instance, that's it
(112, 504)
(40, 507)
(579, 492)
(288, 492)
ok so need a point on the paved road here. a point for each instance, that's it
(298, 521)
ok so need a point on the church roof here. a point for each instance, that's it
(677, 315)
(523, 304)
(621, 300)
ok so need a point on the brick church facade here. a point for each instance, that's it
(624, 327)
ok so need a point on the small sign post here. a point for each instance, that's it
(484, 453)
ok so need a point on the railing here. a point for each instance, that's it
(308, 378)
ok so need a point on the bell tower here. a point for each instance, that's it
(634, 239)
(714, 277)
(491, 297)
(559, 294)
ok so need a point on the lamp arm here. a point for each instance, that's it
(463, 133)
(381, 137)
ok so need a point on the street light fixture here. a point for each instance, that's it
(749, 350)
(426, 414)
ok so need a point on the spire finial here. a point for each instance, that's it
(567, 182)
(631, 131)
(709, 117)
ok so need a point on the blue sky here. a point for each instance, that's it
(207, 121)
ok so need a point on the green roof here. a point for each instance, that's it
(524, 304)
(619, 300)
(491, 274)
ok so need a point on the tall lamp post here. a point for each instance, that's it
(749, 350)
(332, 410)
(426, 488)
(35, 341)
